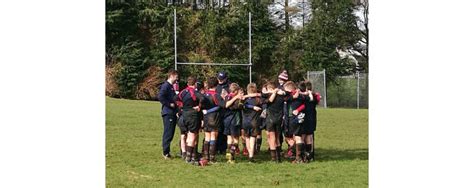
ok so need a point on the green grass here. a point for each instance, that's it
(133, 154)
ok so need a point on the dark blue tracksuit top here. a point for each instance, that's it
(165, 96)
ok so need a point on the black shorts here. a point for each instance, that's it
(212, 122)
(182, 128)
(251, 126)
(273, 122)
(189, 121)
(262, 123)
(232, 125)
(309, 126)
(295, 128)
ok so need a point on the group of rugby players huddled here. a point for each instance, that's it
(218, 108)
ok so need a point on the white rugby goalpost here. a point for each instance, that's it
(249, 64)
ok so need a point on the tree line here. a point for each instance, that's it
(140, 42)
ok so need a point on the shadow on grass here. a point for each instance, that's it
(324, 154)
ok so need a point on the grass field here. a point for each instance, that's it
(133, 154)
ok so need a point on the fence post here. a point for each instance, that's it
(358, 89)
(325, 89)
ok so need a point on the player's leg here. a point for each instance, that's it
(207, 139)
(258, 142)
(291, 144)
(244, 143)
(221, 141)
(196, 142)
(190, 147)
(228, 138)
(251, 148)
(272, 139)
(247, 142)
(296, 129)
(182, 138)
(309, 146)
(299, 148)
(212, 146)
(268, 140)
(235, 143)
(191, 123)
(169, 123)
(305, 153)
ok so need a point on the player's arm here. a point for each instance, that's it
(272, 96)
(213, 109)
(247, 104)
(231, 101)
(218, 106)
(281, 92)
(317, 96)
(252, 95)
(199, 97)
(161, 96)
(299, 109)
(310, 96)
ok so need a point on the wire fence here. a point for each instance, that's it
(350, 91)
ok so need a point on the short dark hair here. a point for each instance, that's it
(270, 85)
(172, 73)
(199, 85)
(212, 82)
(309, 85)
(302, 86)
(191, 80)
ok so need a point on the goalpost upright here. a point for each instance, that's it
(249, 64)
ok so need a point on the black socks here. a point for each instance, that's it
(259, 144)
(205, 152)
(299, 148)
(189, 153)
(273, 154)
(278, 154)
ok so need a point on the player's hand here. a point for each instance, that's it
(172, 105)
(196, 108)
(204, 112)
(256, 108)
(224, 93)
(280, 92)
(295, 112)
